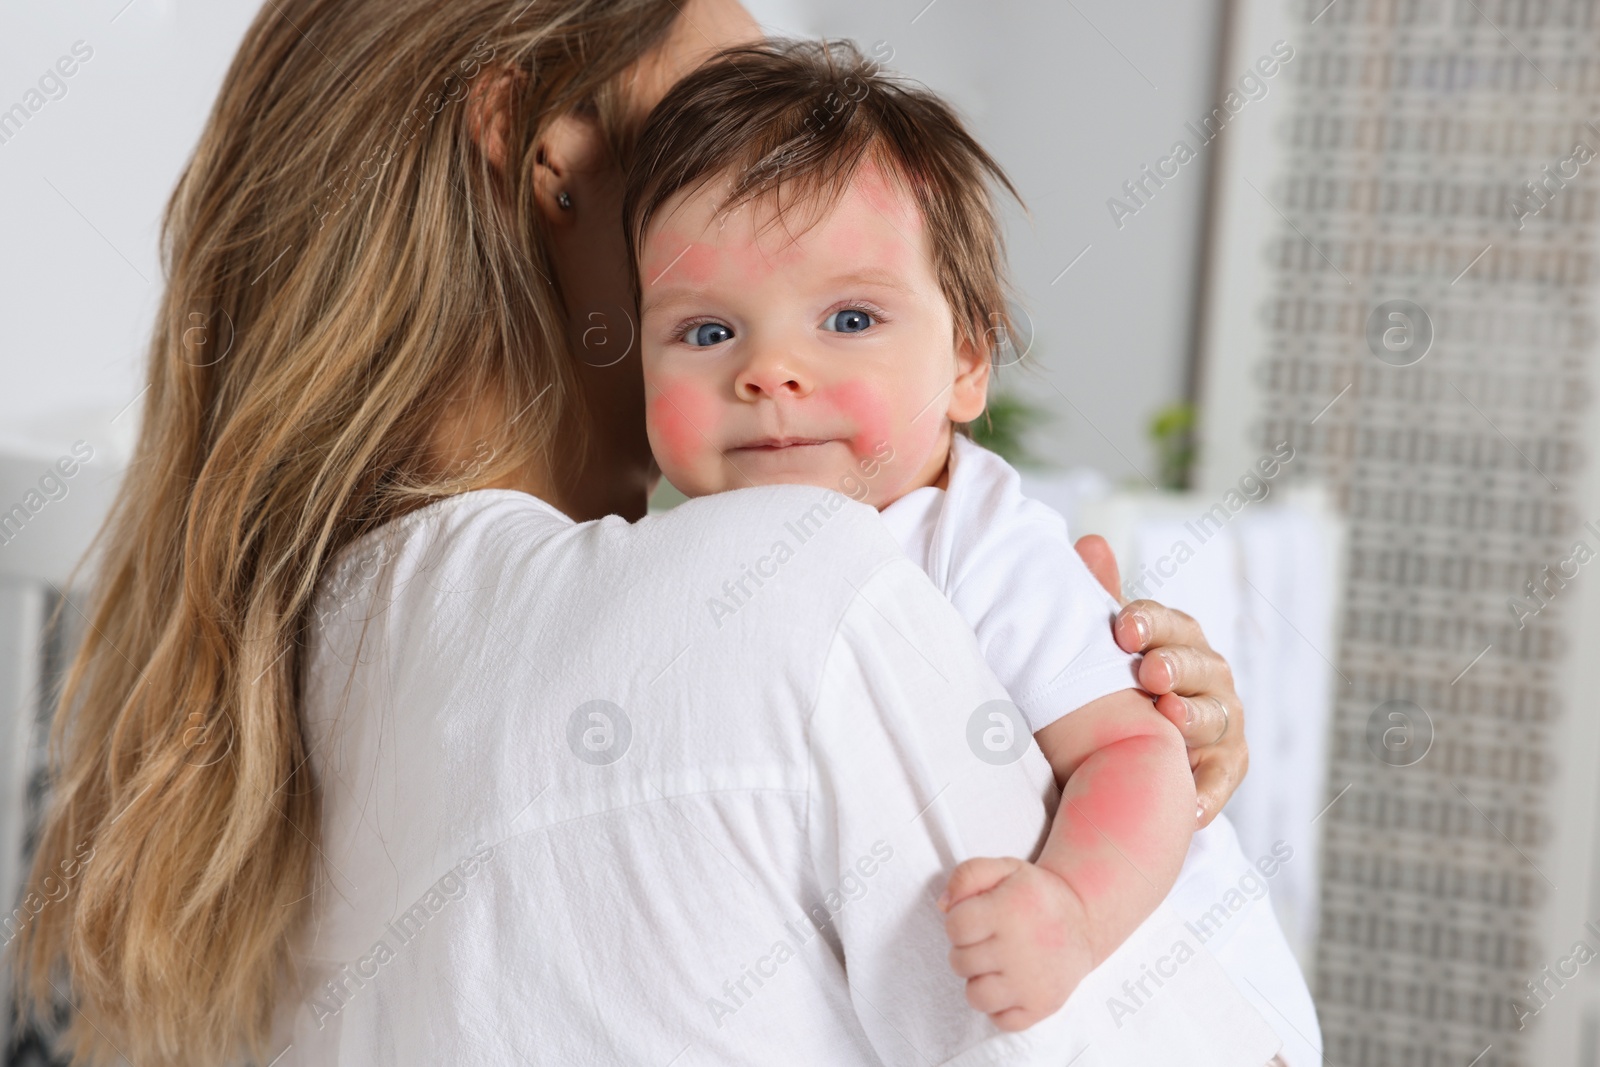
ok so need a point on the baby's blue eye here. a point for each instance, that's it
(850, 320)
(707, 334)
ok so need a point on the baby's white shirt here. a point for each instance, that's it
(1007, 564)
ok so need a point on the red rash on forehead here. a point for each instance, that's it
(894, 254)
(672, 255)
(896, 250)
(749, 259)
(846, 246)
(884, 195)
(699, 263)
(729, 254)
(748, 241)
(681, 418)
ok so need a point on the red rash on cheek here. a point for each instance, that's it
(679, 419)
(870, 412)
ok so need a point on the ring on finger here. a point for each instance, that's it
(1225, 721)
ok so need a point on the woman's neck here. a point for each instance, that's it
(606, 486)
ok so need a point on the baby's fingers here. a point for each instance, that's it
(1013, 1019)
(974, 877)
(991, 994)
(973, 920)
(985, 957)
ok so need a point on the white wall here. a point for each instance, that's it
(83, 184)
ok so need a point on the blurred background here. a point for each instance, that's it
(1307, 303)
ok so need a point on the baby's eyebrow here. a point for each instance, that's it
(880, 278)
(671, 296)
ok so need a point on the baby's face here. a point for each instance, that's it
(828, 359)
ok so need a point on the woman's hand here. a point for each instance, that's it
(1194, 685)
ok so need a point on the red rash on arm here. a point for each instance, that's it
(1127, 811)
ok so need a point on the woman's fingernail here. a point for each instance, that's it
(1141, 625)
(1188, 710)
(1199, 813)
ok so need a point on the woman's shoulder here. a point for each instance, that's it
(463, 511)
(516, 552)
(801, 515)
(489, 526)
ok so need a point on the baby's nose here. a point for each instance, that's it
(771, 375)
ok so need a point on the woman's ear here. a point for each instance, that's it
(569, 156)
(568, 152)
(488, 114)
(970, 393)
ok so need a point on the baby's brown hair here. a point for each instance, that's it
(802, 116)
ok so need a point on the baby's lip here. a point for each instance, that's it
(783, 442)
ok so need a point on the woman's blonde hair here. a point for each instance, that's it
(342, 264)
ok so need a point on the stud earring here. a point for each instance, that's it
(564, 200)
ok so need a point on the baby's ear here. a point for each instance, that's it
(970, 393)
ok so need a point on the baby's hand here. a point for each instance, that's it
(1019, 937)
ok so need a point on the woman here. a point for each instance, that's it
(408, 210)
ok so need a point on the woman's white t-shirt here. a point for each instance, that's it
(675, 792)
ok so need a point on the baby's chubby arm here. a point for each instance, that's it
(1025, 934)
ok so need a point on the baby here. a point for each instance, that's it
(821, 288)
